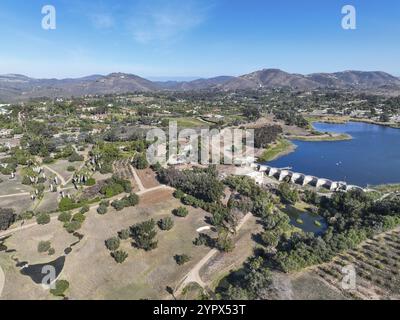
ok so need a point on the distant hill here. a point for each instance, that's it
(15, 87)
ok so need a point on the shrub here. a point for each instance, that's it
(71, 169)
(65, 217)
(61, 287)
(105, 203)
(7, 218)
(74, 157)
(102, 209)
(179, 194)
(27, 215)
(84, 209)
(140, 161)
(181, 212)
(43, 218)
(144, 234)
(90, 182)
(51, 251)
(166, 224)
(44, 246)
(72, 226)
(181, 259)
(124, 234)
(112, 244)
(48, 160)
(79, 217)
(119, 256)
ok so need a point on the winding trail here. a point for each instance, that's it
(194, 274)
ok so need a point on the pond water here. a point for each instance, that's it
(372, 157)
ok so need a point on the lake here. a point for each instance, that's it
(372, 157)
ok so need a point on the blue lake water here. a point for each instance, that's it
(372, 157)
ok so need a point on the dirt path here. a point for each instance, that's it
(193, 275)
(59, 176)
(137, 179)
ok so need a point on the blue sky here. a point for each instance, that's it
(197, 38)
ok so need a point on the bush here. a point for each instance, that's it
(65, 217)
(74, 157)
(27, 215)
(166, 224)
(44, 246)
(7, 218)
(79, 217)
(129, 201)
(43, 218)
(181, 212)
(84, 209)
(178, 194)
(48, 160)
(71, 169)
(144, 234)
(61, 287)
(90, 182)
(102, 209)
(119, 256)
(124, 234)
(51, 251)
(140, 161)
(72, 226)
(181, 259)
(112, 244)
(105, 203)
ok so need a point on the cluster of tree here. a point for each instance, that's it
(288, 193)
(252, 282)
(128, 201)
(200, 183)
(291, 118)
(352, 218)
(144, 235)
(265, 135)
(115, 186)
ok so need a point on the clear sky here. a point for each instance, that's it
(197, 38)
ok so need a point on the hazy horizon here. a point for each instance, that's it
(196, 39)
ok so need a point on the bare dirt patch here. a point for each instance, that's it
(148, 178)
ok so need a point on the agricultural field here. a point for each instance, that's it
(377, 267)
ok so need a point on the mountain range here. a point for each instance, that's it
(14, 87)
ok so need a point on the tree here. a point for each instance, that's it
(288, 194)
(44, 246)
(84, 209)
(181, 212)
(60, 288)
(224, 241)
(72, 226)
(7, 218)
(124, 234)
(79, 217)
(112, 244)
(181, 259)
(43, 218)
(119, 256)
(144, 234)
(102, 209)
(140, 161)
(65, 217)
(166, 224)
